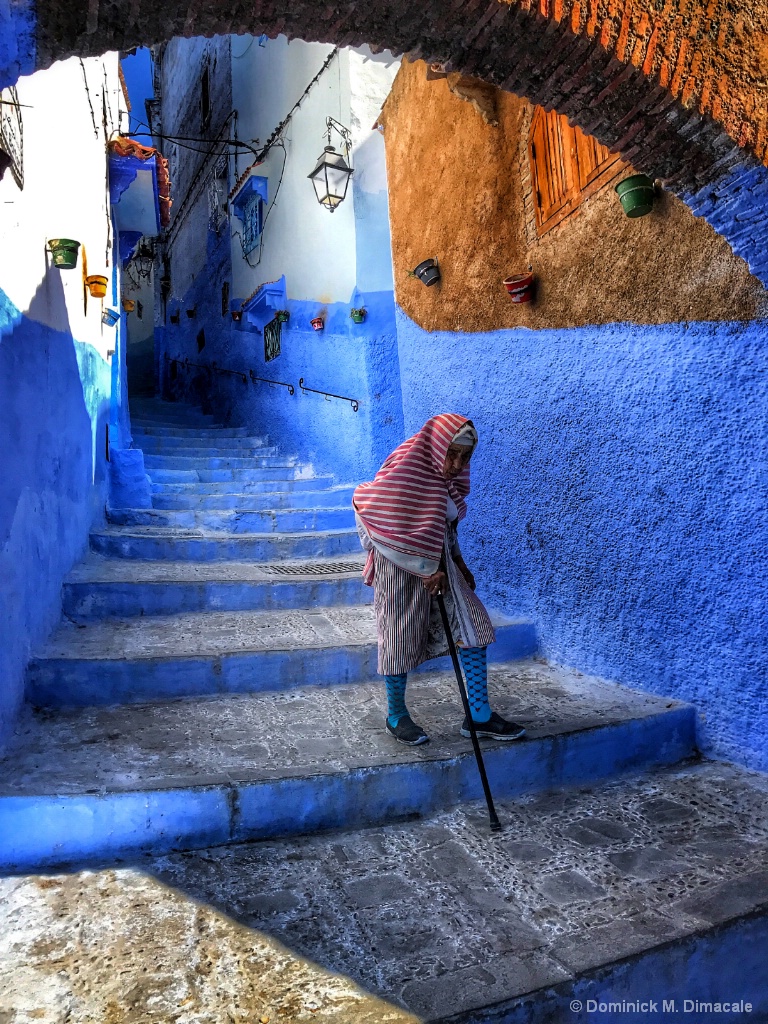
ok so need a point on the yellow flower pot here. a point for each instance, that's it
(97, 285)
(129, 305)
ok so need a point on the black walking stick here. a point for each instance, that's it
(495, 823)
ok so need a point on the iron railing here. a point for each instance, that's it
(329, 394)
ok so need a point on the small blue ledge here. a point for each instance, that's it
(254, 185)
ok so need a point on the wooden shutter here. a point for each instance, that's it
(566, 167)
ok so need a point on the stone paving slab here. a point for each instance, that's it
(436, 915)
(298, 733)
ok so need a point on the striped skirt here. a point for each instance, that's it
(410, 628)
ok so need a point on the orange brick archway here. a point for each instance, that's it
(679, 87)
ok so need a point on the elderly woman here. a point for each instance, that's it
(407, 517)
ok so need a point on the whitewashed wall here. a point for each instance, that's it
(315, 249)
(65, 195)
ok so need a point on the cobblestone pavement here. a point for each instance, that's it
(299, 732)
(436, 915)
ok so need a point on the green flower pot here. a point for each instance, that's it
(282, 316)
(64, 252)
(358, 315)
(637, 195)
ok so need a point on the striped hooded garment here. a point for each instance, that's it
(404, 506)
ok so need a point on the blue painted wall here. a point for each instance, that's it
(54, 408)
(17, 40)
(620, 497)
(356, 360)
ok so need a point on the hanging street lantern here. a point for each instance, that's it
(332, 172)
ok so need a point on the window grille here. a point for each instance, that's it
(272, 340)
(217, 195)
(12, 135)
(567, 167)
(253, 221)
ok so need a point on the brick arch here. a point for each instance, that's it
(679, 87)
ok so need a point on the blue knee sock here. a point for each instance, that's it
(475, 672)
(396, 708)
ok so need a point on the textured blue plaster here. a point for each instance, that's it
(619, 499)
(17, 40)
(54, 404)
(736, 207)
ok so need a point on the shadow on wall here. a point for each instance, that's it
(54, 410)
(618, 497)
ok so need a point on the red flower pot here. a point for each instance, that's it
(318, 324)
(520, 287)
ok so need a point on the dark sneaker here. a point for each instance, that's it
(406, 731)
(496, 728)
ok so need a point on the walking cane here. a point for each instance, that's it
(495, 823)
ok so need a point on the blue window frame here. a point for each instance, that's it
(253, 220)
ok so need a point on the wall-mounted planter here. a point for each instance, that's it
(237, 315)
(282, 316)
(64, 252)
(637, 195)
(428, 272)
(129, 305)
(96, 285)
(174, 318)
(318, 324)
(520, 287)
(110, 317)
(358, 315)
(192, 313)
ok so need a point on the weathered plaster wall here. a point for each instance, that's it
(457, 190)
(58, 387)
(619, 497)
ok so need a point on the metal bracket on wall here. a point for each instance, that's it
(328, 395)
(213, 368)
(272, 383)
(232, 373)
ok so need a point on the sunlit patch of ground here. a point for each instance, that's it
(119, 947)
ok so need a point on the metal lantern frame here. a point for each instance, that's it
(338, 164)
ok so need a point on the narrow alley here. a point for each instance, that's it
(270, 280)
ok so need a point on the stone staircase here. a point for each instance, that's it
(212, 684)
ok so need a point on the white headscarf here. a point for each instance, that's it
(465, 436)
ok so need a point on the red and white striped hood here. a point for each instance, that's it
(404, 506)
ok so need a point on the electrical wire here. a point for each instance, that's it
(238, 234)
(88, 94)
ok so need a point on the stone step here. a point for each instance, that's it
(332, 498)
(237, 521)
(120, 661)
(648, 889)
(105, 782)
(204, 447)
(108, 588)
(182, 476)
(196, 487)
(154, 410)
(171, 419)
(226, 461)
(193, 433)
(155, 544)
